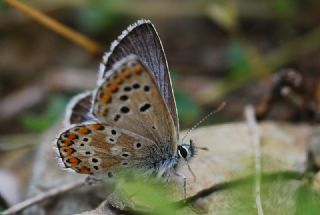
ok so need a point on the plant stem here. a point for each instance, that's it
(88, 44)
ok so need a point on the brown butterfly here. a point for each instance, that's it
(130, 120)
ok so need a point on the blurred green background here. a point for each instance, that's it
(216, 49)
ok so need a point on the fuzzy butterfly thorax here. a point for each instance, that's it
(130, 120)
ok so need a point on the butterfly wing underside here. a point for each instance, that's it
(131, 119)
(78, 110)
(142, 40)
(100, 148)
(130, 99)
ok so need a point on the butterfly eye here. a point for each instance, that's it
(183, 152)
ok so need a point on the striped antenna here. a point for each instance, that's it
(220, 107)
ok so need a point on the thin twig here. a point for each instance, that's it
(256, 137)
(80, 39)
(43, 196)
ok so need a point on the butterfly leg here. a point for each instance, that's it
(184, 179)
(92, 180)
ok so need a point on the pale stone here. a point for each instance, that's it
(230, 156)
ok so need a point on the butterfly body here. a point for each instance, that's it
(130, 119)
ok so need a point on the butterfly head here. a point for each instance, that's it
(185, 151)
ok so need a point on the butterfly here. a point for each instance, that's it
(130, 120)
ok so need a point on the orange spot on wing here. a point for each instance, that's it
(66, 143)
(73, 161)
(84, 170)
(120, 80)
(113, 88)
(69, 151)
(84, 130)
(106, 97)
(97, 127)
(72, 136)
(126, 73)
(137, 69)
(102, 95)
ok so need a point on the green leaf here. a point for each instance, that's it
(188, 110)
(97, 17)
(286, 8)
(308, 201)
(149, 193)
(3, 6)
(239, 61)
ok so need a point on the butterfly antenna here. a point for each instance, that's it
(220, 107)
(192, 173)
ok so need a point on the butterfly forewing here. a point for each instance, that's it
(129, 98)
(100, 148)
(142, 40)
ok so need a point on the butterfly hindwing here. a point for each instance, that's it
(100, 148)
(142, 40)
(78, 110)
(129, 98)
